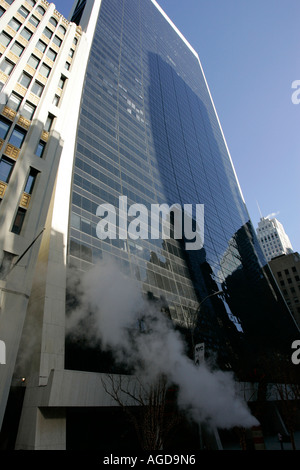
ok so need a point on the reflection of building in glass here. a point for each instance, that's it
(272, 238)
(286, 270)
(146, 128)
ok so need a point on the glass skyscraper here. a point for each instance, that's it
(148, 130)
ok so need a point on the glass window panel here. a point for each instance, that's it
(31, 2)
(61, 82)
(45, 70)
(51, 54)
(28, 110)
(53, 21)
(49, 123)
(17, 49)
(5, 39)
(57, 41)
(37, 88)
(56, 100)
(18, 223)
(25, 80)
(48, 33)
(40, 10)
(33, 61)
(34, 21)
(26, 34)
(14, 101)
(4, 128)
(41, 46)
(17, 138)
(15, 24)
(23, 11)
(6, 67)
(62, 29)
(30, 182)
(6, 167)
(2, 11)
(40, 149)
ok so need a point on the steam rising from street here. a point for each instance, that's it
(151, 346)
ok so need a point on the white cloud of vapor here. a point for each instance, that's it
(118, 304)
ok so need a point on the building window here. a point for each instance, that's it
(62, 29)
(286, 271)
(6, 67)
(51, 54)
(23, 11)
(53, 21)
(41, 46)
(15, 24)
(17, 49)
(33, 61)
(75, 41)
(40, 10)
(17, 137)
(62, 82)
(34, 21)
(19, 220)
(37, 89)
(4, 128)
(71, 52)
(26, 34)
(40, 149)
(67, 65)
(45, 70)
(28, 110)
(57, 41)
(5, 39)
(2, 11)
(31, 2)
(279, 274)
(56, 100)
(30, 181)
(6, 167)
(294, 269)
(49, 123)
(25, 80)
(48, 33)
(14, 101)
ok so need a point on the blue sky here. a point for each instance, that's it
(250, 53)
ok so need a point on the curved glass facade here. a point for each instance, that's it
(148, 130)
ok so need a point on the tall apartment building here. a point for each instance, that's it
(272, 238)
(112, 103)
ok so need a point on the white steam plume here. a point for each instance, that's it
(118, 304)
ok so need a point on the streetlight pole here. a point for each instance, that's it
(197, 312)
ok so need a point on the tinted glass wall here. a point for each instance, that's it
(148, 130)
